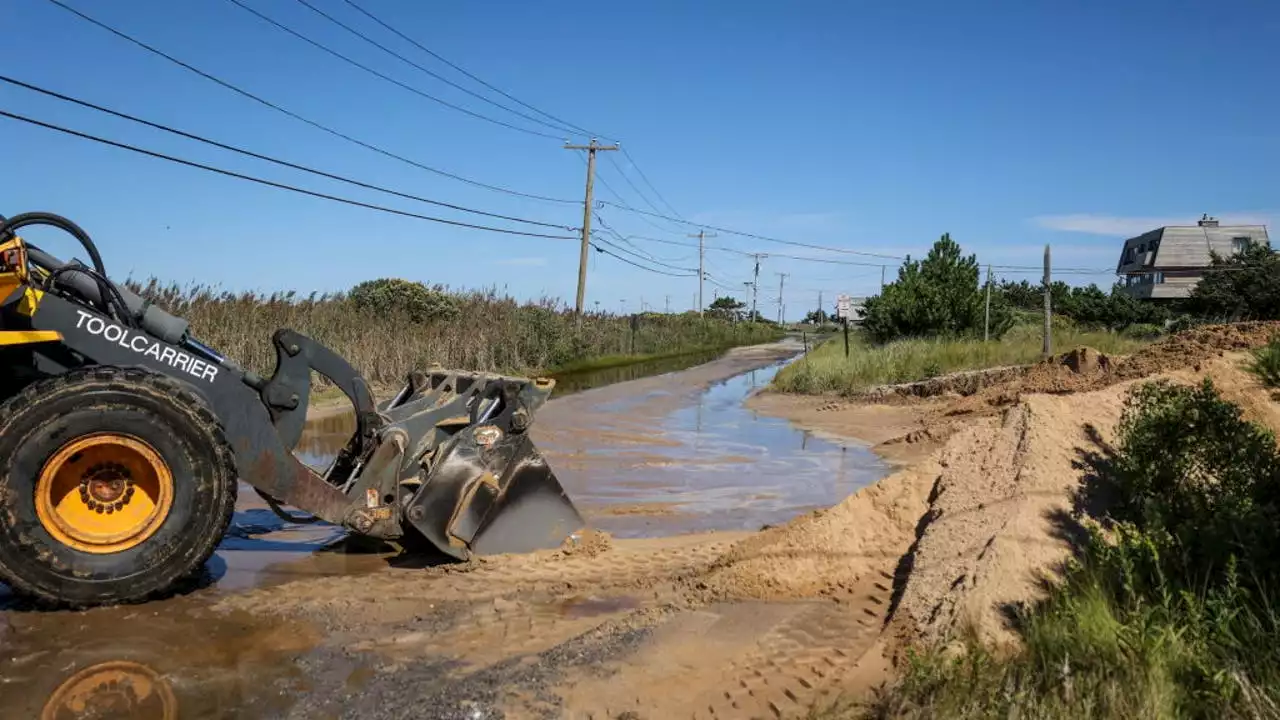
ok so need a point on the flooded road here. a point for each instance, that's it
(293, 620)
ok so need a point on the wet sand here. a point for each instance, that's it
(294, 622)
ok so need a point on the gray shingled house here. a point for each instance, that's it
(1165, 263)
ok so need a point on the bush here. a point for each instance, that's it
(1143, 331)
(395, 297)
(1266, 363)
(1191, 468)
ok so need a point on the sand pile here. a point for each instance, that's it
(826, 552)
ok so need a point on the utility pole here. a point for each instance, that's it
(755, 281)
(820, 311)
(782, 279)
(586, 215)
(668, 299)
(701, 251)
(986, 320)
(1048, 309)
(881, 277)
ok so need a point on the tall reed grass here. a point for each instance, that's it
(492, 332)
(826, 370)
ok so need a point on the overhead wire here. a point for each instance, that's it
(642, 267)
(643, 258)
(355, 63)
(645, 178)
(271, 183)
(634, 187)
(765, 238)
(319, 126)
(429, 72)
(268, 158)
(437, 56)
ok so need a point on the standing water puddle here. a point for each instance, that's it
(708, 463)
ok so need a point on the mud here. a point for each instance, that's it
(296, 621)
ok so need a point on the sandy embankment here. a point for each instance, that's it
(987, 501)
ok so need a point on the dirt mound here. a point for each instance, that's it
(1194, 346)
(827, 552)
(1009, 503)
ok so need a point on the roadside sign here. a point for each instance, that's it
(844, 307)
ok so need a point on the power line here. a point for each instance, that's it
(325, 48)
(282, 186)
(437, 76)
(642, 267)
(646, 259)
(752, 235)
(624, 204)
(285, 163)
(645, 178)
(643, 197)
(418, 45)
(319, 126)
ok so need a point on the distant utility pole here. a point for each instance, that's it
(702, 234)
(881, 277)
(820, 311)
(755, 281)
(782, 279)
(586, 214)
(1048, 309)
(986, 320)
(668, 299)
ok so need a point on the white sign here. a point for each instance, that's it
(844, 306)
(144, 345)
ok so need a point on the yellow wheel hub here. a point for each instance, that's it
(104, 493)
(118, 689)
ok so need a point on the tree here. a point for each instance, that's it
(1244, 286)
(939, 295)
(819, 316)
(726, 308)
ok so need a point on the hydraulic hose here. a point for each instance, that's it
(108, 293)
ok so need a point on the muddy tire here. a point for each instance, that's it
(115, 485)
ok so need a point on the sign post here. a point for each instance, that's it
(844, 305)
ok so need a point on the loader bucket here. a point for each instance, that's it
(485, 488)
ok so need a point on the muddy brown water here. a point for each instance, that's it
(670, 454)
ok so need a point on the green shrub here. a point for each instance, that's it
(1265, 364)
(396, 297)
(1144, 331)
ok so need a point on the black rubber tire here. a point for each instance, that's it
(161, 411)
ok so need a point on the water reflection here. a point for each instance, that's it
(113, 689)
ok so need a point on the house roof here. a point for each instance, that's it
(1184, 246)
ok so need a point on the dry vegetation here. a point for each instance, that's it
(482, 331)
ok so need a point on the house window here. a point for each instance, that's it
(1240, 244)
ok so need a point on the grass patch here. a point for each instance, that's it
(1265, 363)
(826, 370)
(482, 331)
(1171, 608)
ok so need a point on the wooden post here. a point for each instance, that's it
(986, 322)
(846, 337)
(1048, 309)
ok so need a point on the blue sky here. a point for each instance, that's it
(873, 127)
